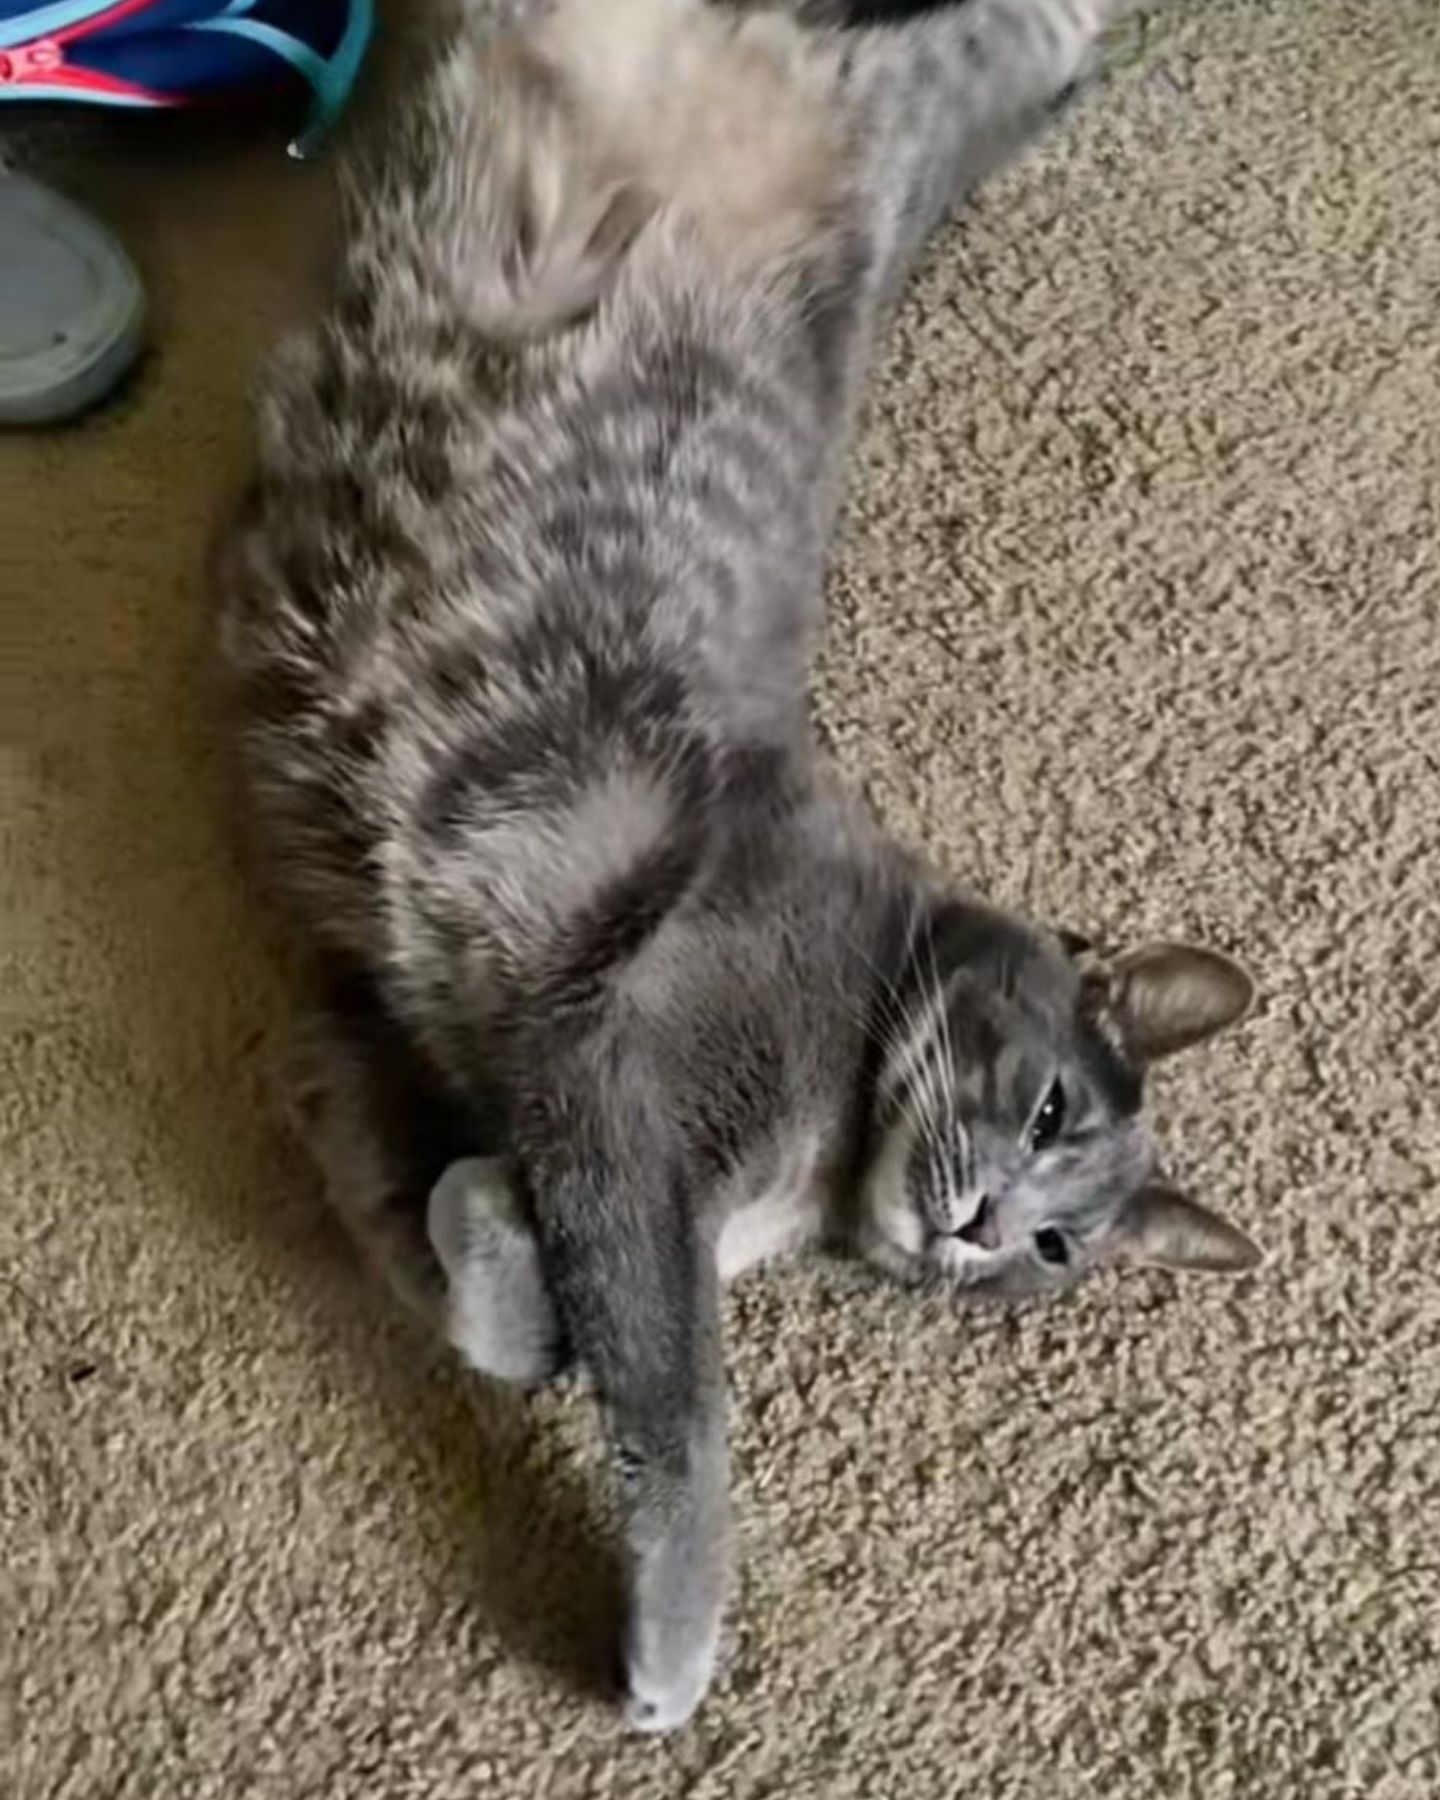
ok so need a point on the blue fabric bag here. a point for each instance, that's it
(185, 53)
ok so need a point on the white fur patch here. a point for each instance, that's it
(892, 1231)
(786, 1217)
(731, 121)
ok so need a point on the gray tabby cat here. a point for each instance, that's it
(517, 615)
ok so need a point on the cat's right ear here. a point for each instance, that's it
(1165, 1229)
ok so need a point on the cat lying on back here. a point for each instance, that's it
(517, 616)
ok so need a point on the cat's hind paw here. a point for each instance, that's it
(498, 1312)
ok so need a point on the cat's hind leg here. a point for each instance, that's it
(339, 1098)
(443, 1228)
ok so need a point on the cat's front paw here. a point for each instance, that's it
(498, 1312)
(666, 1677)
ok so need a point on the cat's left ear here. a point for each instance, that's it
(1166, 1229)
(1167, 997)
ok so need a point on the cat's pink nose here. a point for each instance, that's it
(982, 1229)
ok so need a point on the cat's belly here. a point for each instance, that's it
(785, 1216)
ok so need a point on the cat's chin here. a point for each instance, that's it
(917, 1259)
(960, 1262)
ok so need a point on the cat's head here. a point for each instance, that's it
(1008, 1153)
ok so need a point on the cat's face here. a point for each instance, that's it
(1009, 1152)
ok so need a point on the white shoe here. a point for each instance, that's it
(72, 311)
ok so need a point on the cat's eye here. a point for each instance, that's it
(1050, 1120)
(1050, 1247)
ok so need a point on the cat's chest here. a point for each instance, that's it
(774, 1210)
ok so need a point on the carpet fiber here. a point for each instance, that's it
(1137, 623)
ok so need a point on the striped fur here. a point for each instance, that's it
(516, 618)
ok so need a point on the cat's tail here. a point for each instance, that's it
(525, 170)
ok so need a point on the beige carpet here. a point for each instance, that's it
(1138, 623)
